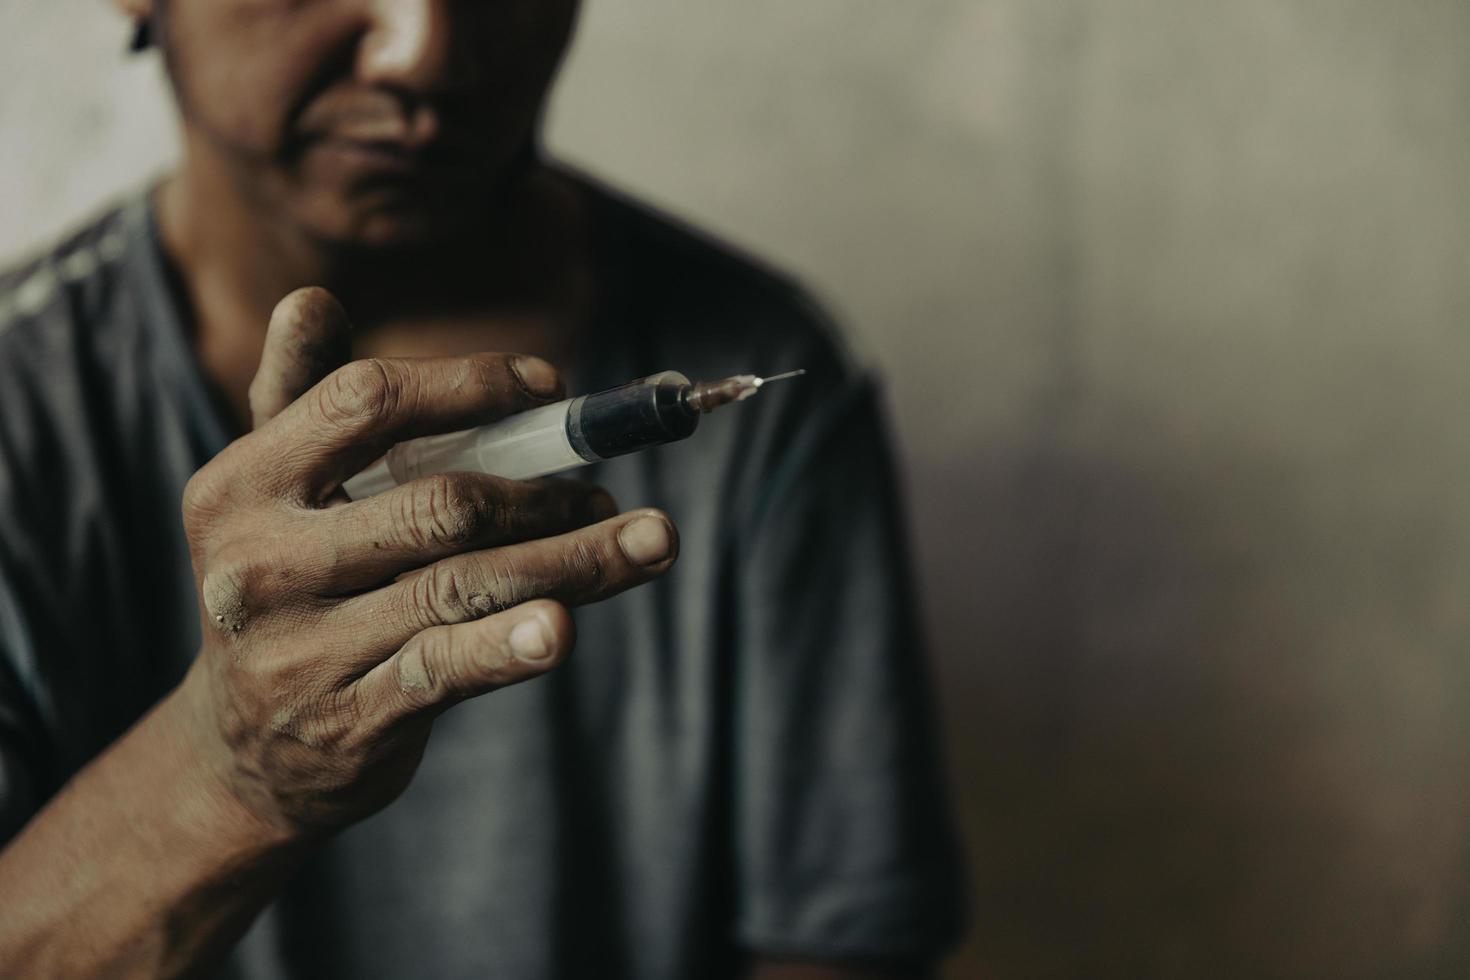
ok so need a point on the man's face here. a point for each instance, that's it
(364, 122)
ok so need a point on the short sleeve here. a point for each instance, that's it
(844, 840)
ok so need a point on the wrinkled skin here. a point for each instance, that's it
(336, 631)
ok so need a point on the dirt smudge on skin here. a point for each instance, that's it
(224, 601)
(413, 673)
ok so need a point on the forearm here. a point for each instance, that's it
(143, 865)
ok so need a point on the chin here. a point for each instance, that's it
(357, 195)
(377, 223)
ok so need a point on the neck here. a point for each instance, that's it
(517, 281)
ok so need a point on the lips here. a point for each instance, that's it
(420, 130)
(388, 145)
(374, 123)
(377, 135)
(374, 153)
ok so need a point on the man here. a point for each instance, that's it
(734, 774)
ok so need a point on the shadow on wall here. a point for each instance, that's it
(1160, 785)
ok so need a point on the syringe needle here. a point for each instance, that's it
(780, 377)
(706, 396)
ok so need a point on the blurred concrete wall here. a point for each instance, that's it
(1174, 300)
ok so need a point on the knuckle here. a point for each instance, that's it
(440, 595)
(463, 663)
(503, 587)
(435, 666)
(226, 592)
(496, 373)
(586, 564)
(457, 592)
(417, 678)
(489, 372)
(241, 583)
(444, 595)
(360, 393)
(449, 512)
(203, 499)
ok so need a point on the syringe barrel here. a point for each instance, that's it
(546, 440)
(648, 412)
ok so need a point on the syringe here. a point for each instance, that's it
(651, 411)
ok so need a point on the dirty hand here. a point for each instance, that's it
(336, 631)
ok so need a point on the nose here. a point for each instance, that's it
(408, 45)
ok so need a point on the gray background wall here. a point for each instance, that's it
(1173, 299)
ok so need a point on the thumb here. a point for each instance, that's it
(308, 338)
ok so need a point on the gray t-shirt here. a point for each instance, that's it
(738, 756)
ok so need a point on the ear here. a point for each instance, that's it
(140, 12)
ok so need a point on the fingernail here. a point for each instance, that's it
(529, 640)
(536, 376)
(645, 540)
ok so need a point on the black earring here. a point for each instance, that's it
(142, 35)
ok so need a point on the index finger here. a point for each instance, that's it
(308, 335)
(356, 413)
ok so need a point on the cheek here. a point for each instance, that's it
(241, 69)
